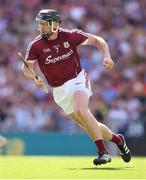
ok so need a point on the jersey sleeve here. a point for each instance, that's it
(77, 36)
(31, 52)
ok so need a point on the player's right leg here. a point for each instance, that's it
(88, 121)
(107, 134)
(3, 141)
(102, 158)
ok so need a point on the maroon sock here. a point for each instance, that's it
(101, 147)
(117, 139)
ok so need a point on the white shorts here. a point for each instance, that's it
(63, 95)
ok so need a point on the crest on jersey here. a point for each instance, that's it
(66, 44)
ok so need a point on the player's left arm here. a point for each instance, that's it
(101, 44)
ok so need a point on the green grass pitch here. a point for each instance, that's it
(73, 167)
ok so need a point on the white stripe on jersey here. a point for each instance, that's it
(75, 30)
(30, 45)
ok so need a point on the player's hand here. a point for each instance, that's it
(40, 84)
(108, 63)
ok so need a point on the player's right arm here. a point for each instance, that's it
(27, 71)
(29, 75)
(30, 58)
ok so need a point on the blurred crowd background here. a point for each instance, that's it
(119, 96)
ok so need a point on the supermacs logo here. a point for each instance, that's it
(50, 60)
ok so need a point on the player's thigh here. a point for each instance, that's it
(81, 101)
(76, 118)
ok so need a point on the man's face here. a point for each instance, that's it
(44, 28)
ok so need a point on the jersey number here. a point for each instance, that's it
(57, 49)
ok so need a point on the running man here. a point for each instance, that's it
(55, 50)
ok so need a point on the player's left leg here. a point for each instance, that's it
(124, 150)
(118, 139)
(74, 99)
(3, 141)
(107, 134)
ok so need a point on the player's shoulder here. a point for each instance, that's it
(35, 41)
(63, 30)
(72, 31)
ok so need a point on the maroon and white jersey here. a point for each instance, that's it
(58, 59)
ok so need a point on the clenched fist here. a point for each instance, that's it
(108, 63)
(40, 84)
